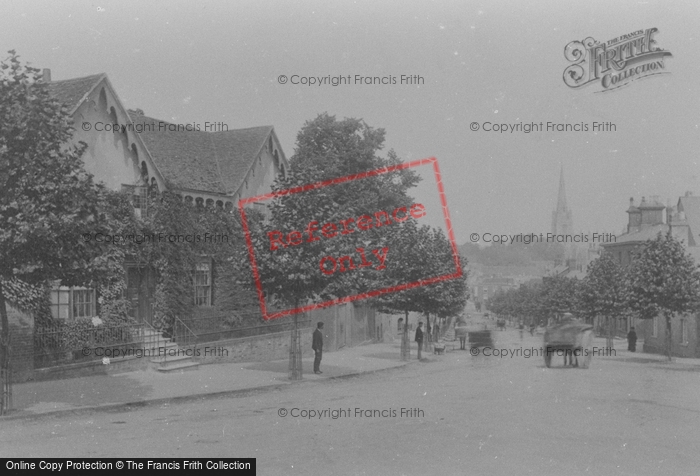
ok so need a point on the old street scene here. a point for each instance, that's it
(330, 238)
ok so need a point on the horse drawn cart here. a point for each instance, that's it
(571, 340)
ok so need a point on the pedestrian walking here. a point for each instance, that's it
(317, 346)
(632, 340)
(419, 338)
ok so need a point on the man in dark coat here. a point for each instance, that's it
(317, 346)
(632, 340)
(419, 338)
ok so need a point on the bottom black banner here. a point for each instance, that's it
(240, 466)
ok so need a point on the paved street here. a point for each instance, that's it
(627, 414)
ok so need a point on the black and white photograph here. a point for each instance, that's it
(447, 237)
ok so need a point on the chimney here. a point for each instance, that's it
(635, 217)
(47, 75)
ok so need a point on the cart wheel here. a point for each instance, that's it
(547, 358)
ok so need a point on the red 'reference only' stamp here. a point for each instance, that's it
(328, 265)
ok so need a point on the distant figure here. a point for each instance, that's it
(317, 346)
(436, 328)
(532, 328)
(419, 338)
(632, 340)
(461, 333)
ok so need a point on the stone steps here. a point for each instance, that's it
(168, 357)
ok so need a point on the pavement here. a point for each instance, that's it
(149, 387)
(115, 392)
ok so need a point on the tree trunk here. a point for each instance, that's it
(5, 384)
(668, 336)
(295, 369)
(427, 343)
(610, 341)
(405, 341)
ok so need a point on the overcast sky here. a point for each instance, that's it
(481, 61)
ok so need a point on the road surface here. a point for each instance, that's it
(454, 414)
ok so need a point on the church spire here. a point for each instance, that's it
(562, 221)
(561, 198)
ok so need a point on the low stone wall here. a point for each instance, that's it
(252, 349)
(94, 367)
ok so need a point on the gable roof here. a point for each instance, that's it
(646, 233)
(238, 149)
(72, 92)
(215, 162)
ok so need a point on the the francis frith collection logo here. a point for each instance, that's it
(614, 63)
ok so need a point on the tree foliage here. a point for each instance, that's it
(663, 280)
(536, 302)
(328, 149)
(47, 199)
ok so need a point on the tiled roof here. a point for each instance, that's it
(236, 151)
(215, 162)
(648, 233)
(71, 92)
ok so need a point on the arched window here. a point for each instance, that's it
(210, 203)
(189, 200)
(199, 201)
(144, 172)
(219, 204)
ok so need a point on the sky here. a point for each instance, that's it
(480, 62)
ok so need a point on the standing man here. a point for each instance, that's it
(419, 338)
(317, 346)
(632, 340)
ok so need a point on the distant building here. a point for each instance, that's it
(645, 222)
(576, 256)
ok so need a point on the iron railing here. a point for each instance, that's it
(59, 343)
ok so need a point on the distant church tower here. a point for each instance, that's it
(562, 221)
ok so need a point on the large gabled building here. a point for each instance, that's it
(132, 152)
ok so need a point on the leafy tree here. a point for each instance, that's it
(326, 149)
(663, 279)
(47, 199)
(603, 292)
(559, 295)
(425, 254)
